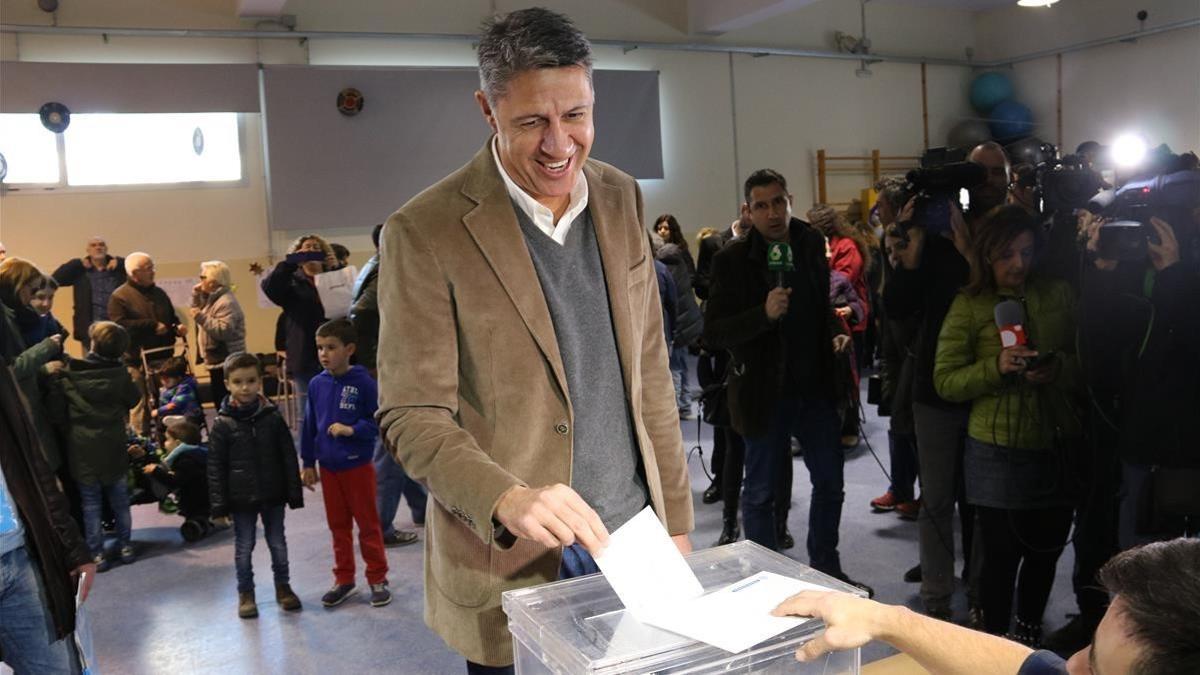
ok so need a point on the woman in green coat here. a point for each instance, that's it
(1024, 414)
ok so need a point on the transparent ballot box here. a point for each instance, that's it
(579, 626)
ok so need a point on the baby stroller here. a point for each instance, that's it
(180, 488)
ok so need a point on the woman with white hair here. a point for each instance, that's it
(220, 323)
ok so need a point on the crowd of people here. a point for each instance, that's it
(1045, 406)
(126, 424)
(1022, 439)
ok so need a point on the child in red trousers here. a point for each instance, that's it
(339, 436)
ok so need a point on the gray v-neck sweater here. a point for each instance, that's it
(606, 468)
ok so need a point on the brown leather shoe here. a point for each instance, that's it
(287, 600)
(246, 607)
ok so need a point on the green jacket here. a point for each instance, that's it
(1007, 410)
(93, 400)
(27, 366)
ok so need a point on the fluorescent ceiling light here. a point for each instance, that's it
(1036, 3)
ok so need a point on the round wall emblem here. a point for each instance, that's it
(350, 101)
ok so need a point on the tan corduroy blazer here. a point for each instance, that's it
(473, 395)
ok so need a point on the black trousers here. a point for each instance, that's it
(1096, 518)
(217, 386)
(1021, 549)
(732, 470)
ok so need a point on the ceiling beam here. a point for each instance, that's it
(260, 8)
(714, 17)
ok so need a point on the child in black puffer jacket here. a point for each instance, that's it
(252, 473)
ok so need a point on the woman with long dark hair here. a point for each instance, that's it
(689, 322)
(1021, 379)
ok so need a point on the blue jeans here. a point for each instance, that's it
(245, 535)
(679, 377)
(816, 424)
(903, 451)
(300, 389)
(391, 482)
(92, 498)
(26, 627)
(576, 562)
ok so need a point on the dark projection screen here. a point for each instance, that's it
(329, 170)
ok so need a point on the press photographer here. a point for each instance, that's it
(1141, 342)
(929, 242)
(1056, 189)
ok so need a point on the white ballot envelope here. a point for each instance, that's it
(737, 617)
(645, 569)
(658, 588)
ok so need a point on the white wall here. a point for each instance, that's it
(1151, 86)
(1120, 88)
(1011, 31)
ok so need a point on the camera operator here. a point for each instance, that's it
(1139, 338)
(1023, 189)
(1141, 334)
(993, 191)
(931, 269)
(776, 321)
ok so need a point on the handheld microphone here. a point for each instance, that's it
(779, 260)
(1010, 320)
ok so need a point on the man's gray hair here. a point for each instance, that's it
(133, 260)
(528, 39)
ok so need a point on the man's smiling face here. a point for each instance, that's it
(543, 124)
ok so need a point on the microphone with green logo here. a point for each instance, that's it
(779, 260)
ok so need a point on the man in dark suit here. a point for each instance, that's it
(782, 334)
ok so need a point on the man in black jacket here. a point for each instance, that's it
(42, 556)
(782, 338)
(1140, 348)
(93, 279)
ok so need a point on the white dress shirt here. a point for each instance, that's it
(541, 216)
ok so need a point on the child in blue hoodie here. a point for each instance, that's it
(339, 435)
(179, 397)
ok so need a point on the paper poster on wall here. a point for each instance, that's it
(179, 289)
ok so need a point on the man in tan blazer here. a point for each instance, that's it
(523, 369)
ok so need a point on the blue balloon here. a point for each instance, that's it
(1010, 120)
(988, 90)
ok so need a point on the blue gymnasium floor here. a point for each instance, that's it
(174, 610)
